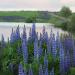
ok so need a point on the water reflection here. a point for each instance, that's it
(6, 28)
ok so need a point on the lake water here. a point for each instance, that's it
(6, 28)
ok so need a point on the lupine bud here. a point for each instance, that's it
(33, 32)
(13, 36)
(40, 48)
(67, 62)
(20, 71)
(19, 50)
(2, 41)
(61, 57)
(57, 40)
(73, 54)
(36, 51)
(46, 71)
(24, 36)
(17, 33)
(54, 51)
(25, 51)
(48, 47)
(45, 60)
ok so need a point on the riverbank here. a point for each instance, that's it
(34, 16)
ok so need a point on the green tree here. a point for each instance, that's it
(65, 12)
(31, 19)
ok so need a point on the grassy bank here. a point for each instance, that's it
(29, 16)
(24, 16)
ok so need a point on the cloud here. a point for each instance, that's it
(29, 4)
(67, 1)
(51, 5)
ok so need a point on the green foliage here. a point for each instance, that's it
(44, 47)
(71, 25)
(31, 19)
(50, 62)
(10, 55)
(30, 52)
(62, 24)
(56, 66)
(65, 12)
(72, 71)
(24, 16)
(35, 66)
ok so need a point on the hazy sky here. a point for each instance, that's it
(51, 5)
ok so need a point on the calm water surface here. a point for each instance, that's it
(6, 28)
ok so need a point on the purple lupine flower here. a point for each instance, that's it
(40, 48)
(54, 51)
(24, 45)
(40, 38)
(68, 43)
(48, 47)
(46, 71)
(19, 50)
(50, 41)
(57, 37)
(52, 71)
(40, 70)
(44, 34)
(61, 58)
(45, 60)
(2, 41)
(43, 31)
(25, 51)
(36, 51)
(17, 33)
(73, 54)
(51, 35)
(67, 61)
(30, 71)
(33, 32)
(13, 36)
(24, 36)
(57, 40)
(46, 37)
(20, 70)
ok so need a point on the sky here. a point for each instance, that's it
(45, 5)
